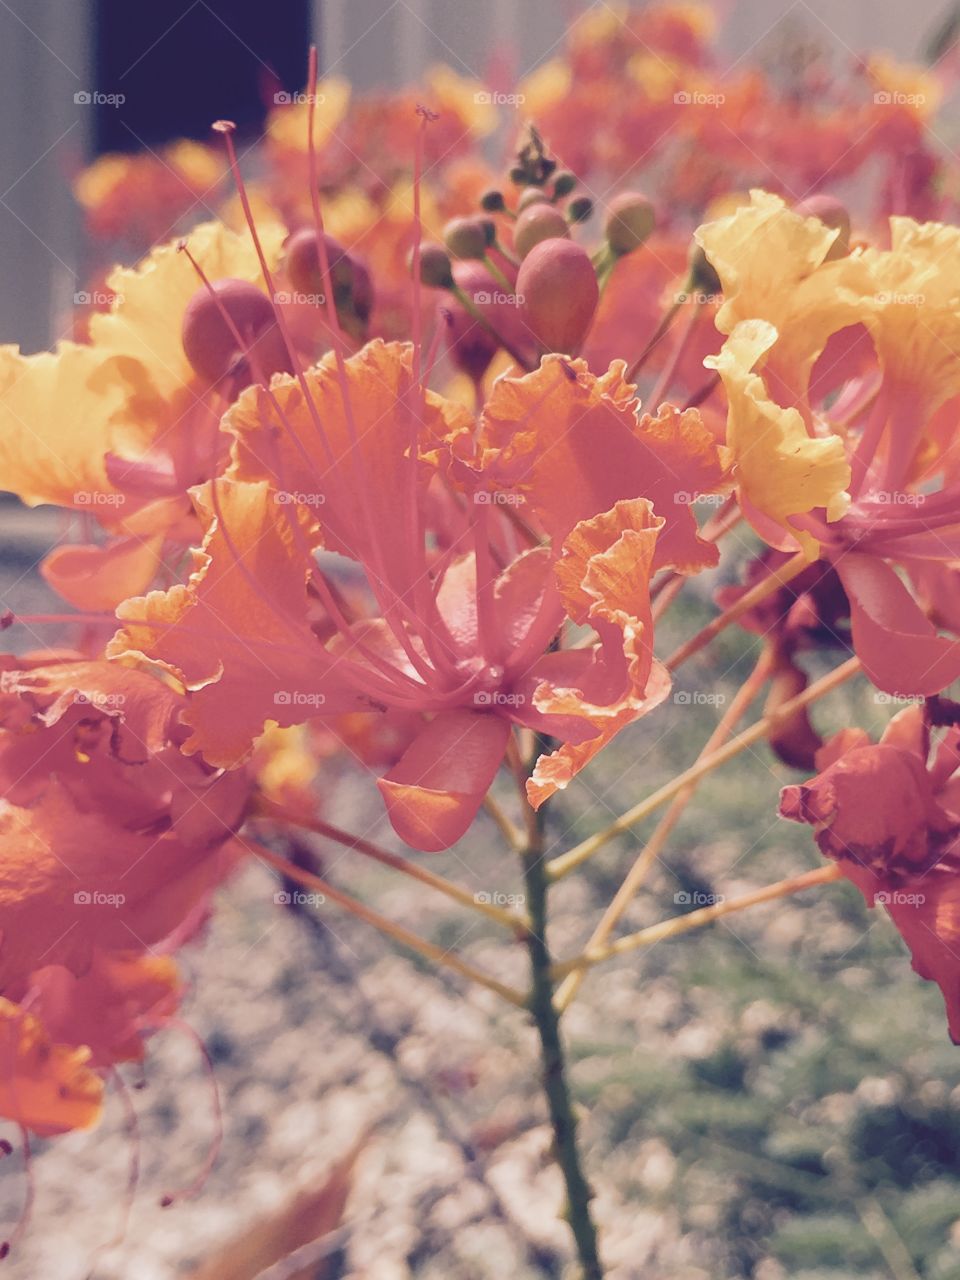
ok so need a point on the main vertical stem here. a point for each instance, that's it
(555, 1087)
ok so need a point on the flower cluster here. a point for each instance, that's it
(405, 472)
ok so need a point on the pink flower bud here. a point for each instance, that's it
(211, 345)
(559, 289)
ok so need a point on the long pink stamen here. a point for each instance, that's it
(188, 1192)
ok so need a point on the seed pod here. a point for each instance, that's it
(630, 220)
(559, 289)
(538, 222)
(466, 237)
(212, 348)
(832, 214)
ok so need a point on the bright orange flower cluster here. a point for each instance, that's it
(406, 473)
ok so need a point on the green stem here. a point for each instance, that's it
(562, 1118)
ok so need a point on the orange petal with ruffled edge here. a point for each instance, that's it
(434, 791)
(570, 444)
(781, 470)
(353, 471)
(56, 410)
(99, 578)
(604, 577)
(238, 633)
(47, 1088)
(72, 882)
(111, 1007)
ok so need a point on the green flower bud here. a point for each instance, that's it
(630, 220)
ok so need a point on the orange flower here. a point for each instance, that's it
(47, 1088)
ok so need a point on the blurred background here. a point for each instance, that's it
(166, 70)
(775, 1099)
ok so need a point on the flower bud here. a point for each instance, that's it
(466, 237)
(832, 214)
(538, 222)
(493, 201)
(560, 294)
(580, 209)
(630, 220)
(531, 195)
(435, 268)
(564, 183)
(472, 344)
(211, 346)
(304, 266)
(703, 278)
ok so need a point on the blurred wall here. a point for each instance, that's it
(46, 80)
(44, 65)
(383, 42)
